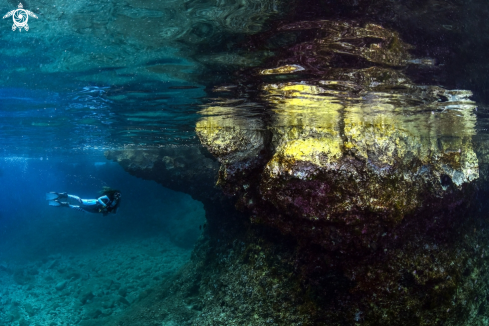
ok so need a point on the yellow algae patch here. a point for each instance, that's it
(292, 90)
(302, 106)
(319, 151)
(318, 125)
(229, 134)
(210, 131)
(287, 69)
(377, 133)
(219, 134)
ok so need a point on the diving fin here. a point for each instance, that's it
(58, 203)
(54, 203)
(56, 195)
(51, 196)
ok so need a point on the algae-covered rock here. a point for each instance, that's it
(338, 154)
(357, 188)
(342, 37)
(371, 174)
(231, 133)
(337, 157)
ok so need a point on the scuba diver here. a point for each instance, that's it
(108, 203)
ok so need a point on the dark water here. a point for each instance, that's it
(88, 77)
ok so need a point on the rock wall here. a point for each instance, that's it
(189, 169)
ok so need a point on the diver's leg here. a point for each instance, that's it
(78, 208)
(66, 204)
(78, 199)
(58, 203)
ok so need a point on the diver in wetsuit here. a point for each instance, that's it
(108, 203)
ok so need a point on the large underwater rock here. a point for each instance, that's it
(351, 143)
(370, 196)
(356, 194)
(373, 176)
(344, 162)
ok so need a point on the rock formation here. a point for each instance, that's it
(355, 191)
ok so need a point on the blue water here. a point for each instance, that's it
(154, 227)
(147, 208)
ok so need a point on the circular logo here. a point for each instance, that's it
(20, 18)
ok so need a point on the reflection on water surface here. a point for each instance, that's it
(143, 86)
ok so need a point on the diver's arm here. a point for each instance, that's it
(101, 201)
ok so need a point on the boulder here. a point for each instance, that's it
(61, 285)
